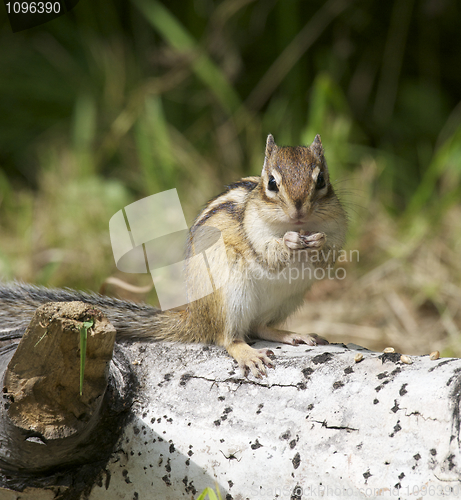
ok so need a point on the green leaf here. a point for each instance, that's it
(83, 338)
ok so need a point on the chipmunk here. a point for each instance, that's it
(277, 230)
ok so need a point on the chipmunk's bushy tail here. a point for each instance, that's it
(18, 303)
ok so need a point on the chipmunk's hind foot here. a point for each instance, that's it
(291, 338)
(250, 359)
(309, 339)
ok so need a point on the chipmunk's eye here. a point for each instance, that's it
(272, 184)
(320, 181)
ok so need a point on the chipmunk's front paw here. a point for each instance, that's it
(294, 240)
(302, 240)
(313, 240)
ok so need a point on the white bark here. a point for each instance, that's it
(320, 425)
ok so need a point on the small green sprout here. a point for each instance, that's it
(83, 338)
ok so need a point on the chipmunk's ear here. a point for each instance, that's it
(270, 145)
(316, 147)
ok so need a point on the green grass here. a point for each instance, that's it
(210, 494)
(83, 342)
(116, 102)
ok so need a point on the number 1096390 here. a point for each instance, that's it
(33, 7)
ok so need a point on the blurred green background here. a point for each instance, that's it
(118, 100)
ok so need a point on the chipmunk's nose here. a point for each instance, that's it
(297, 212)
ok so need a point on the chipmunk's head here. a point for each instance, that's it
(296, 182)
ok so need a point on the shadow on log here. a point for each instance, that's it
(320, 425)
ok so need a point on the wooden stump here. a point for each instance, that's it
(45, 424)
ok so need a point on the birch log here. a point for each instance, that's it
(320, 425)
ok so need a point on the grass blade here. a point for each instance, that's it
(210, 493)
(178, 37)
(83, 340)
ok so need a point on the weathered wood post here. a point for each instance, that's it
(46, 425)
